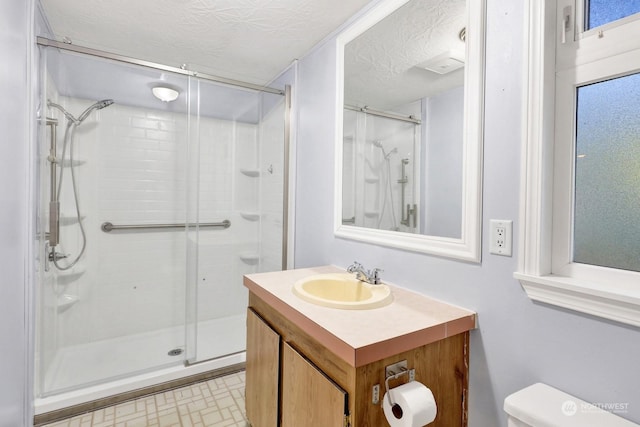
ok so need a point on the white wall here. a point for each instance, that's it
(443, 130)
(15, 219)
(518, 342)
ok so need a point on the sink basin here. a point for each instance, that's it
(342, 291)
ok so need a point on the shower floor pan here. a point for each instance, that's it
(83, 373)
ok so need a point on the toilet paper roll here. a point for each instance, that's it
(416, 405)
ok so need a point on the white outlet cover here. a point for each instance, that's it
(501, 237)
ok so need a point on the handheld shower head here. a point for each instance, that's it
(97, 106)
(104, 103)
(378, 144)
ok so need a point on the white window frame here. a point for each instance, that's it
(545, 269)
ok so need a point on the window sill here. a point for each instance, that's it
(589, 298)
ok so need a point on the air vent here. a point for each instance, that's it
(443, 64)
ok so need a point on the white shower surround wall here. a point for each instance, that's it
(134, 282)
(134, 170)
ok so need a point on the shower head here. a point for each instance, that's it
(378, 144)
(104, 103)
(97, 106)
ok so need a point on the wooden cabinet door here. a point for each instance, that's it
(309, 397)
(262, 372)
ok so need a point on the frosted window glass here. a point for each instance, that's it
(600, 12)
(607, 175)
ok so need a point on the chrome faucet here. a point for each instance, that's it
(371, 277)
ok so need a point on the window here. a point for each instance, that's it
(606, 226)
(580, 222)
(601, 12)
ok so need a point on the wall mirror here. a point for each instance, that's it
(409, 127)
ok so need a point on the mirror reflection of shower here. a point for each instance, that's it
(56, 180)
(381, 174)
(387, 197)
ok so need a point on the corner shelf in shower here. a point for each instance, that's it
(372, 180)
(70, 276)
(371, 214)
(250, 172)
(76, 162)
(65, 302)
(70, 220)
(250, 216)
(250, 258)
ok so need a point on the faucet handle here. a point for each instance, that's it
(354, 267)
(375, 276)
(54, 256)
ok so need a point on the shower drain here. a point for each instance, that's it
(175, 352)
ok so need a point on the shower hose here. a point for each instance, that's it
(68, 142)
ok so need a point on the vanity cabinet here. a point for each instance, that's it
(262, 373)
(309, 397)
(319, 389)
(315, 366)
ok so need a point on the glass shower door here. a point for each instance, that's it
(177, 200)
(239, 164)
(120, 310)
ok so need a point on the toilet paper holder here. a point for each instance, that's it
(393, 372)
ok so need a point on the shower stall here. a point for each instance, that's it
(150, 212)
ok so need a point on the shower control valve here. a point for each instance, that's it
(54, 256)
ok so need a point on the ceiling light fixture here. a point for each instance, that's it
(165, 93)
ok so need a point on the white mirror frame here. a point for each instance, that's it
(468, 247)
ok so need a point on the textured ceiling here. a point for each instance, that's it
(380, 64)
(249, 40)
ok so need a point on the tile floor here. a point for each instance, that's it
(214, 403)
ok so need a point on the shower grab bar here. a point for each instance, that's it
(347, 221)
(107, 226)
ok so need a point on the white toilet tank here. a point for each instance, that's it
(540, 405)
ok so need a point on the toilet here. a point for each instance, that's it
(540, 405)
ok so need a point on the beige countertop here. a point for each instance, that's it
(362, 336)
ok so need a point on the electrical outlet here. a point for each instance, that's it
(375, 399)
(501, 237)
